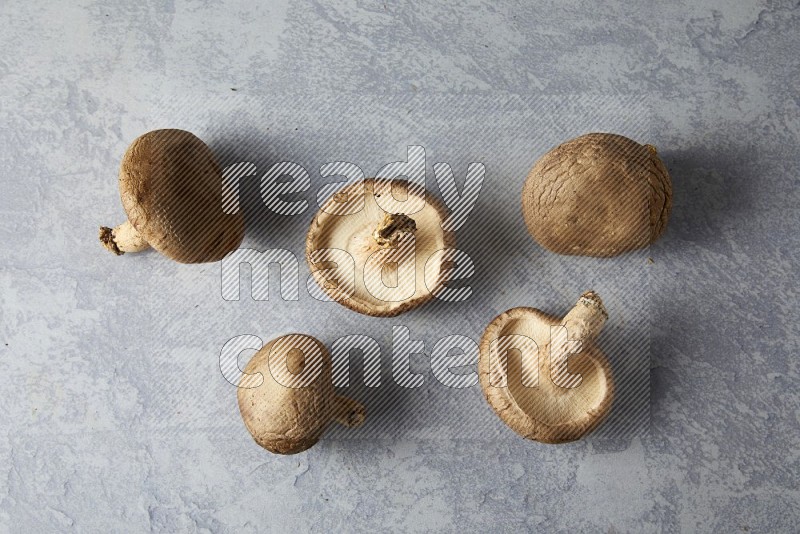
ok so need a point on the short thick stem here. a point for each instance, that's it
(124, 238)
(392, 229)
(348, 412)
(585, 321)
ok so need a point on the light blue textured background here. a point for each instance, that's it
(106, 403)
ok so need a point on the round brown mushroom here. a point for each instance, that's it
(171, 189)
(286, 396)
(377, 262)
(538, 380)
(599, 194)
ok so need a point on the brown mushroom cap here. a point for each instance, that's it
(171, 189)
(289, 408)
(361, 235)
(599, 194)
(546, 412)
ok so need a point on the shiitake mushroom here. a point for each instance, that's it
(171, 188)
(599, 194)
(286, 396)
(535, 383)
(377, 262)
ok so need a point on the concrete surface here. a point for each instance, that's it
(116, 416)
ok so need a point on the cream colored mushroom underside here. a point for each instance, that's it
(549, 403)
(352, 233)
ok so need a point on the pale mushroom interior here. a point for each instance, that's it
(402, 277)
(549, 403)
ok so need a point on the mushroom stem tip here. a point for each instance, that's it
(107, 239)
(124, 238)
(392, 229)
(592, 299)
(585, 321)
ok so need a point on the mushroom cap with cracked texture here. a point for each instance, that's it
(599, 194)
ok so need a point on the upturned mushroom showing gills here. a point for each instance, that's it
(286, 395)
(377, 255)
(171, 189)
(544, 376)
(599, 194)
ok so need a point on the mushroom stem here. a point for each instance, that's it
(348, 412)
(584, 322)
(392, 228)
(124, 238)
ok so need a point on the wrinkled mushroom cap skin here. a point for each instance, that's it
(286, 420)
(171, 189)
(599, 194)
(351, 232)
(547, 413)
